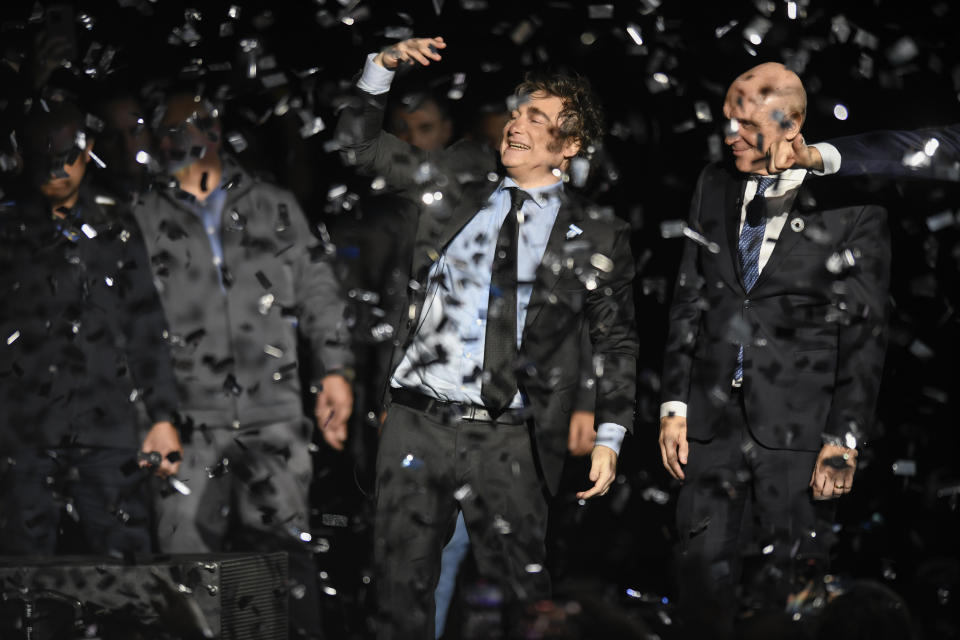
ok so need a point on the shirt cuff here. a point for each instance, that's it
(673, 408)
(830, 156)
(610, 435)
(375, 79)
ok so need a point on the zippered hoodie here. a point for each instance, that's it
(234, 341)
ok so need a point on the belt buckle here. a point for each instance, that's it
(472, 412)
(475, 413)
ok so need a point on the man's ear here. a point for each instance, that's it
(796, 123)
(570, 148)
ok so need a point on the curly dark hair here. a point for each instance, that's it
(581, 117)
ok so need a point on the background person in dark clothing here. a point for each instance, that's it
(125, 134)
(84, 340)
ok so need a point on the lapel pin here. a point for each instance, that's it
(573, 231)
(797, 224)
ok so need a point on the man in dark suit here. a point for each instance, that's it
(924, 153)
(506, 271)
(774, 356)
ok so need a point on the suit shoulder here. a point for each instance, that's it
(591, 213)
(468, 160)
(716, 172)
(833, 192)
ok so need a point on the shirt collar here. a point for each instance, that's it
(213, 197)
(787, 181)
(541, 196)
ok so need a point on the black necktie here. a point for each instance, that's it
(499, 384)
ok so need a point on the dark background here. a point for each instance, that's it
(891, 64)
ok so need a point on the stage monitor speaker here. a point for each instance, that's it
(230, 596)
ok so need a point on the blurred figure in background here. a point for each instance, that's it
(124, 144)
(84, 334)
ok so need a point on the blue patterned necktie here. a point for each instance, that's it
(748, 249)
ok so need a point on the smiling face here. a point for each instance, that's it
(531, 147)
(766, 104)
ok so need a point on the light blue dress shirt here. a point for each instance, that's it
(446, 357)
(210, 212)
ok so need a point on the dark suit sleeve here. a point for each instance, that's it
(882, 153)
(684, 314)
(364, 143)
(862, 338)
(320, 302)
(586, 399)
(142, 319)
(613, 334)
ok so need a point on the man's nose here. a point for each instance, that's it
(731, 131)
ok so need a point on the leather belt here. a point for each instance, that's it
(456, 410)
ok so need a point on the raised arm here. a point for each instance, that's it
(363, 143)
(924, 153)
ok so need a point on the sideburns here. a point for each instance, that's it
(558, 138)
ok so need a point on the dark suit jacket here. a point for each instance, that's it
(814, 339)
(586, 278)
(882, 153)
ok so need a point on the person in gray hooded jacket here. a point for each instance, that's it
(240, 275)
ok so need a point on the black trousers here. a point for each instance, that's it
(101, 488)
(428, 469)
(737, 495)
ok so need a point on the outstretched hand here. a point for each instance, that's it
(412, 51)
(792, 154)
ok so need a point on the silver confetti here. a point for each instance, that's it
(907, 468)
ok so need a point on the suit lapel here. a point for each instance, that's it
(788, 238)
(547, 278)
(434, 235)
(733, 203)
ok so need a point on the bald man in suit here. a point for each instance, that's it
(774, 357)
